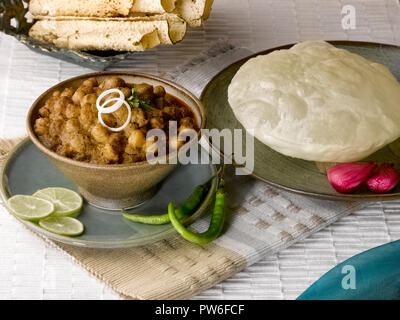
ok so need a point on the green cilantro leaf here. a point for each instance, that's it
(135, 102)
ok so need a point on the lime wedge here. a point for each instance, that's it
(65, 226)
(30, 208)
(66, 202)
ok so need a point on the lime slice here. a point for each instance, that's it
(65, 226)
(30, 208)
(66, 202)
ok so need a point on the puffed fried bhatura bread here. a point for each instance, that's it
(192, 11)
(317, 102)
(120, 34)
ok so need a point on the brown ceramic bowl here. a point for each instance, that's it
(115, 186)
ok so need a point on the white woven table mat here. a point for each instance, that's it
(31, 269)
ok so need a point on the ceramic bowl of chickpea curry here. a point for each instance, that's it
(97, 130)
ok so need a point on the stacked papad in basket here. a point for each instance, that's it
(120, 25)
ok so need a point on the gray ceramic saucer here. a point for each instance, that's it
(295, 175)
(27, 170)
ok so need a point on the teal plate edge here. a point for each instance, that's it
(92, 243)
(370, 275)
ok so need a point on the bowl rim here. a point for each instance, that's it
(141, 164)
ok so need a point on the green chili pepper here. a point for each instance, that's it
(216, 224)
(185, 210)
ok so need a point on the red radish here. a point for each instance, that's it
(384, 179)
(348, 177)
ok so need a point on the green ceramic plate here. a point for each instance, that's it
(27, 170)
(289, 173)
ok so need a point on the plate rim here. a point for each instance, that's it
(92, 243)
(360, 261)
(320, 195)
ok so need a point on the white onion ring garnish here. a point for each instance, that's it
(115, 106)
(122, 102)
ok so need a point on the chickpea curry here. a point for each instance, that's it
(68, 121)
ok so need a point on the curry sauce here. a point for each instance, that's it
(68, 122)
